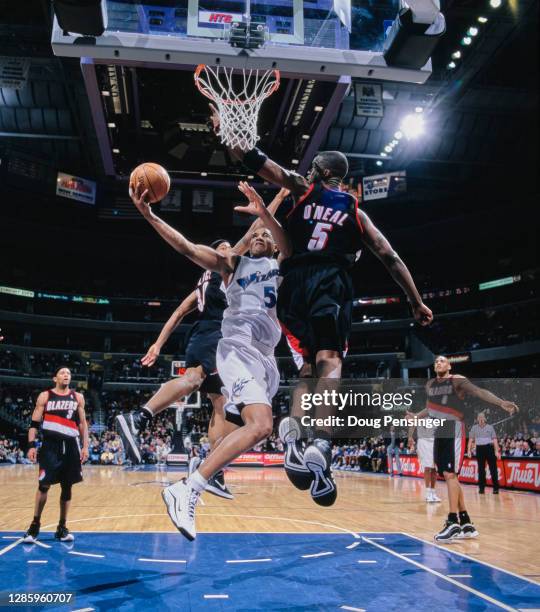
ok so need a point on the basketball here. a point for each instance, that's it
(152, 177)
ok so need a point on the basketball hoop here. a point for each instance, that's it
(238, 95)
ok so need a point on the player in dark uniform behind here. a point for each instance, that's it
(445, 395)
(59, 413)
(315, 300)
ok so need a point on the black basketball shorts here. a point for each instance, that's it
(315, 303)
(449, 447)
(59, 461)
(201, 347)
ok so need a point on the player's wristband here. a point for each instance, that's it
(35, 424)
(254, 159)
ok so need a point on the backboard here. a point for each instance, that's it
(305, 37)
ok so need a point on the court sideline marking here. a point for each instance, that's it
(465, 587)
(455, 552)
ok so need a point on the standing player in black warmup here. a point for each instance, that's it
(445, 395)
(315, 300)
(59, 412)
(201, 373)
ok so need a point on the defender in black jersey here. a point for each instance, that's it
(59, 414)
(445, 394)
(315, 300)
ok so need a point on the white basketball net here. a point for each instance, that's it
(238, 95)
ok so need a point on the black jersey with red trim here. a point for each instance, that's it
(443, 400)
(211, 301)
(61, 417)
(323, 225)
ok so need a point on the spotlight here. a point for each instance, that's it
(412, 126)
(495, 3)
(394, 143)
(482, 19)
(398, 135)
(388, 149)
(318, 109)
(116, 150)
(466, 40)
(294, 161)
(451, 65)
(378, 162)
(419, 109)
(472, 31)
(204, 173)
(456, 55)
(383, 154)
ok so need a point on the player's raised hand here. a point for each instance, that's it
(214, 118)
(256, 204)
(422, 314)
(152, 354)
(138, 197)
(510, 407)
(283, 193)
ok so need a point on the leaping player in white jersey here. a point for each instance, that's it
(245, 354)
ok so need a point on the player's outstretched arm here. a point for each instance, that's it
(187, 306)
(37, 417)
(200, 254)
(259, 163)
(256, 207)
(466, 386)
(242, 246)
(379, 245)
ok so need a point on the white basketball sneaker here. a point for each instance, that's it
(181, 500)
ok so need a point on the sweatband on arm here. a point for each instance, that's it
(35, 424)
(254, 159)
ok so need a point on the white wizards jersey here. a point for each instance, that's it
(251, 298)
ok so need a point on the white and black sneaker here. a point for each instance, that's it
(64, 534)
(448, 533)
(32, 534)
(216, 485)
(181, 500)
(295, 467)
(129, 427)
(468, 532)
(318, 459)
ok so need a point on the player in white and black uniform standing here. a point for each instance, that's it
(245, 355)
(327, 230)
(59, 414)
(445, 395)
